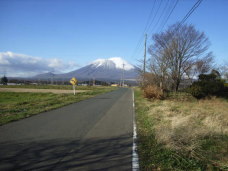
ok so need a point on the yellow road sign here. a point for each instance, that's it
(73, 81)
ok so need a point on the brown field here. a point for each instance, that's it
(192, 132)
(187, 121)
(28, 90)
(184, 126)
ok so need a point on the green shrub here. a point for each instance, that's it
(153, 92)
(207, 85)
(4, 80)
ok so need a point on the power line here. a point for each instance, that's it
(170, 14)
(155, 14)
(147, 29)
(139, 47)
(140, 44)
(148, 20)
(147, 23)
(163, 12)
(196, 5)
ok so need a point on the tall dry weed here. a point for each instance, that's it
(153, 92)
(182, 125)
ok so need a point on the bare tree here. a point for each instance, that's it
(223, 69)
(200, 66)
(159, 66)
(176, 51)
(139, 69)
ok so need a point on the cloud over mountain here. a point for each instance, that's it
(24, 65)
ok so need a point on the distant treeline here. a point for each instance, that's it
(64, 82)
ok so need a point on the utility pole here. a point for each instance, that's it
(144, 62)
(93, 81)
(52, 79)
(123, 74)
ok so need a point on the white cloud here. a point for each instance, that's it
(20, 65)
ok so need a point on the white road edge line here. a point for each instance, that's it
(135, 158)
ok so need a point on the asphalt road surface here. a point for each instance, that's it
(94, 134)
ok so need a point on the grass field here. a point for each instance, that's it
(14, 106)
(62, 87)
(182, 133)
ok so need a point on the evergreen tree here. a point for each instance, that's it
(4, 80)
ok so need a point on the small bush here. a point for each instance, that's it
(208, 85)
(196, 91)
(153, 92)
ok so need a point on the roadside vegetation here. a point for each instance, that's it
(15, 106)
(182, 133)
(182, 104)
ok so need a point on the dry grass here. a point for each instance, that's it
(153, 92)
(185, 125)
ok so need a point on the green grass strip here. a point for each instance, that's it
(15, 106)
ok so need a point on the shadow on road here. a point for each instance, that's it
(89, 154)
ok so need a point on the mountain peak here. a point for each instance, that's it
(116, 62)
(101, 69)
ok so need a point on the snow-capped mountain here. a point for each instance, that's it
(116, 62)
(104, 69)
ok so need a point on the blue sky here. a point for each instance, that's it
(76, 32)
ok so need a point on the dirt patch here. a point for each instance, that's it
(39, 90)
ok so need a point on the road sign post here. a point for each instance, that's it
(73, 81)
(74, 89)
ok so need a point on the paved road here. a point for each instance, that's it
(95, 134)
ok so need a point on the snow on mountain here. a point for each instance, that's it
(105, 69)
(117, 61)
(103, 63)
